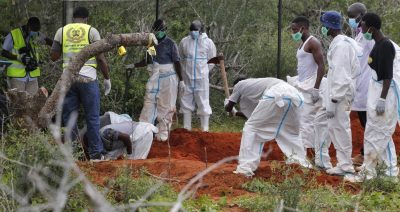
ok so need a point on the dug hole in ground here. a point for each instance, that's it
(191, 152)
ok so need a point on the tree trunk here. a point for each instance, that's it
(55, 101)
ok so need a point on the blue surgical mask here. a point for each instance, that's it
(353, 23)
(194, 34)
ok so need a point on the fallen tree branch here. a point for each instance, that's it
(55, 101)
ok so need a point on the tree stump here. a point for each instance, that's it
(24, 108)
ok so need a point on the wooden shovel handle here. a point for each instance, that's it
(223, 74)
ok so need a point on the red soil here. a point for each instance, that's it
(191, 152)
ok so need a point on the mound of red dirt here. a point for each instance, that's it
(206, 147)
(192, 152)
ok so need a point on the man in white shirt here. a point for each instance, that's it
(310, 82)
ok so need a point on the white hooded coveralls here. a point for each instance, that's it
(378, 141)
(344, 67)
(275, 117)
(194, 56)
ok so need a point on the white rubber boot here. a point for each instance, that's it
(187, 121)
(204, 123)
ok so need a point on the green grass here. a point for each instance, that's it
(126, 189)
(38, 150)
(379, 194)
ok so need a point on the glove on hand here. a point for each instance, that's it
(315, 95)
(330, 110)
(226, 101)
(182, 87)
(234, 111)
(107, 86)
(380, 106)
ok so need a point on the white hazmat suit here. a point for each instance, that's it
(248, 93)
(313, 115)
(344, 67)
(378, 141)
(275, 117)
(140, 133)
(160, 98)
(360, 102)
(194, 56)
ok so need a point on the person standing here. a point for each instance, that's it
(69, 41)
(310, 70)
(196, 49)
(382, 103)
(162, 87)
(20, 47)
(275, 117)
(344, 66)
(355, 12)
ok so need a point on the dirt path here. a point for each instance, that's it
(192, 151)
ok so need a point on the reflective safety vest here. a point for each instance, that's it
(17, 69)
(74, 38)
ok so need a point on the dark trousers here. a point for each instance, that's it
(87, 94)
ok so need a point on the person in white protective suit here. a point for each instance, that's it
(275, 117)
(310, 70)
(124, 138)
(344, 67)
(162, 86)
(355, 12)
(382, 104)
(247, 93)
(195, 50)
